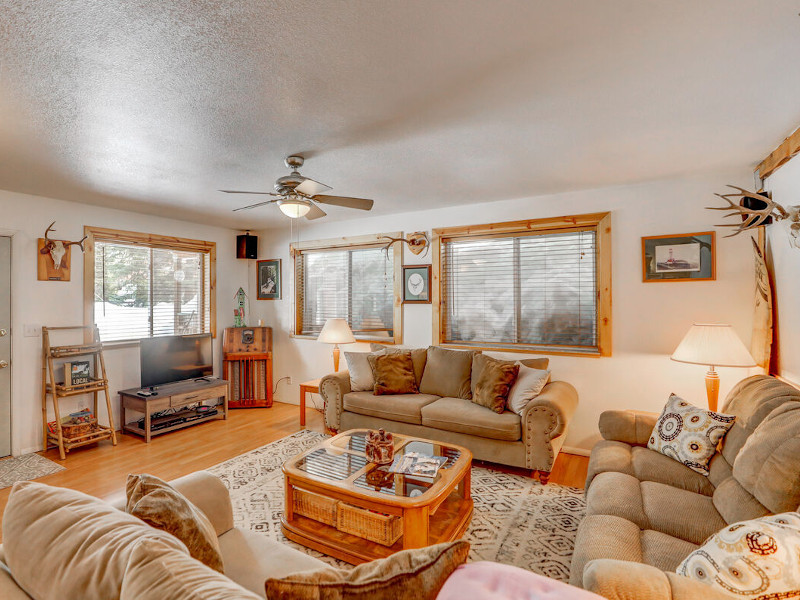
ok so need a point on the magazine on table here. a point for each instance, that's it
(414, 463)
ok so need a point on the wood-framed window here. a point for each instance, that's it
(351, 278)
(541, 285)
(140, 285)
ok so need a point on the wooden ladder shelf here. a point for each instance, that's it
(57, 390)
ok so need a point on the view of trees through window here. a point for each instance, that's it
(530, 289)
(356, 284)
(145, 292)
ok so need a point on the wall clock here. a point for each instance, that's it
(416, 284)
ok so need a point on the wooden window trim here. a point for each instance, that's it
(600, 222)
(350, 243)
(147, 240)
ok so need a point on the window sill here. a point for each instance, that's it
(359, 340)
(542, 350)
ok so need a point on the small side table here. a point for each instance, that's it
(307, 387)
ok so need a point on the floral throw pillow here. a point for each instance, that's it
(689, 434)
(754, 560)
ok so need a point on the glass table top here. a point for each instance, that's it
(328, 463)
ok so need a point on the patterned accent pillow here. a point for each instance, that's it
(689, 434)
(753, 560)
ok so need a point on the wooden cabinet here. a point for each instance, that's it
(247, 364)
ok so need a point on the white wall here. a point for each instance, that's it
(785, 187)
(649, 319)
(61, 303)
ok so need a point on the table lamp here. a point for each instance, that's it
(336, 331)
(714, 345)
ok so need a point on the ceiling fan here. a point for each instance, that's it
(297, 196)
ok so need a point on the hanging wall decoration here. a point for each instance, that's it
(268, 274)
(53, 263)
(761, 344)
(239, 312)
(679, 257)
(756, 209)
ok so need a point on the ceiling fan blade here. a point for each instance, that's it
(315, 213)
(241, 192)
(256, 205)
(309, 187)
(359, 203)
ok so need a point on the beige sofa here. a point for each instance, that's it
(531, 441)
(249, 558)
(646, 512)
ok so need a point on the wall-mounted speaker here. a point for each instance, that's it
(247, 246)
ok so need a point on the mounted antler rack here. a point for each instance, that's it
(417, 242)
(757, 209)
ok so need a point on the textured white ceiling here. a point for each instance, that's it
(153, 105)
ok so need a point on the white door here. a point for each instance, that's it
(5, 346)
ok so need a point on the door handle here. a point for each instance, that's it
(3, 364)
(3, 332)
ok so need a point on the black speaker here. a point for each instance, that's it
(247, 246)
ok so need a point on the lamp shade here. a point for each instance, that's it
(336, 331)
(714, 345)
(294, 207)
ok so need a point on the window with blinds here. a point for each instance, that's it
(354, 283)
(528, 290)
(143, 291)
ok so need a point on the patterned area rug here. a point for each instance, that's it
(516, 521)
(25, 468)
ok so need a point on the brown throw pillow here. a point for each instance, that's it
(161, 506)
(408, 575)
(419, 356)
(447, 373)
(394, 373)
(492, 380)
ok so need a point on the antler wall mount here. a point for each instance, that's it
(54, 257)
(768, 211)
(417, 242)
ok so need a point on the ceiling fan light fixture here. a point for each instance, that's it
(294, 207)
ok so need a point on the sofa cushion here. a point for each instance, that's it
(447, 373)
(752, 400)
(419, 356)
(491, 381)
(405, 575)
(156, 571)
(607, 536)
(394, 373)
(463, 416)
(768, 465)
(398, 407)
(251, 558)
(81, 544)
(678, 513)
(645, 465)
(361, 376)
(735, 503)
(689, 434)
(754, 559)
(529, 384)
(159, 505)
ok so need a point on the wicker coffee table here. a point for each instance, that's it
(339, 503)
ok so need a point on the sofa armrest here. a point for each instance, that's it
(630, 426)
(544, 419)
(332, 388)
(209, 494)
(624, 580)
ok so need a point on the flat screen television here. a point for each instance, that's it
(175, 358)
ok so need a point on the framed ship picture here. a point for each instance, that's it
(681, 257)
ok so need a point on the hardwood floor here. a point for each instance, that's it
(101, 470)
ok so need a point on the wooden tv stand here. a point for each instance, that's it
(172, 395)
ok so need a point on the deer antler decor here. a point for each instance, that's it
(755, 217)
(58, 251)
(417, 242)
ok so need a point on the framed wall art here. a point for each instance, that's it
(417, 284)
(679, 257)
(268, 279)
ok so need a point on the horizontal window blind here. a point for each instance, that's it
(534, 289)
(142, 291)
(356, 284)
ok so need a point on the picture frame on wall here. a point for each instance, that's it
(268, 279)
(416, 284)
(679, 257)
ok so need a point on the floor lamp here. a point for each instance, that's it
(715, 346)
(336, 331)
